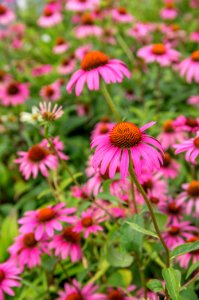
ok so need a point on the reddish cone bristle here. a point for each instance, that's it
(93, 60)
(36, 153)
(193, 188)
(87, 19)
(29, 240)
(2, 275)
(47, 12)
(174, 230)
(195, 55)
(125, 135)
(173, 208)
(104, 129)
(122, 10)
(74, 296)
(158, 49)
(13, 89)
(87, 221)
(45, 214)
(166, 160)
(49, 91)
(70, 236)
(116, 295)
(168, 126)
(3, 9)
(147, 185)
(60, 41)
(196, 142)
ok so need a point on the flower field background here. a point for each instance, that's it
(99, 150)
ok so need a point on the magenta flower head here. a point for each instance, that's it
(189, 67)
(46, 220)
(14, 93)
(96, 64)
(191, 147)
(112, 150)
(8, 278)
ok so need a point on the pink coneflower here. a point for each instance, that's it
(191, 147)
(51, 92)
(26, 250)
(187, 124)
(101, 128)
(191, 257)
(8, 278)
(49, 113)
(50, 17)
(6, 15)
(82, 51)
(195, 36)
(88, 27)
(89, 222)
(175, 209)
(191, 194)
(96, 64)
(46, 220)
(39, 158)
(160, 53)
(13, 93)
(112, 149)
(170, 135)
(41, 70)
(4, 77)
(189, 67)
(58, 146)
(61, 46)
(141, 32)
(67, 243)
(81, 5)
(67, 65)
(117, 294)
(121, 15)
(193, 100)
(109, 36)
(76, 292)
(169, 12)
(170, 168)
(176, 233)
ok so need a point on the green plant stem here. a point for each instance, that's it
(110, 103)
(125, 48)
(132, 188)
(142, 192)
(194, 278)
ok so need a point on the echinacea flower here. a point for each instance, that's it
(67, 243)
(87, 27)
(50, 17)
(41, 70)
(6, 15)
(187, 124)
(67, 65)
(189, 67)
(76, 292)
(40, 158)
(170, 168)
(174, 208)
(169, 12)
(112, 150)
(191, 147)
(141, 32)
(13, 93)
(96, 64)
(46, 220)
(194, 100)
(195, 36)
(121, 15)
(176, 233)
(26, 250)
(61, 46)
(49, 113)
(89, 222)
(8, 278)
(191, 195)
(82, 5)
(159, 53)
(191, 257)
(81, 51)
(51, 92)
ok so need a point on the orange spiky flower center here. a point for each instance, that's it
(47, 12)
(191, 122)
(170, 5)
(158, 49)
(122, 10)
(2, 275)
(29, 240)
(116, 295)
(173, 208)
(195, 56)
(74, 296)
(70, 236)
(87, 221)
(3, 9)
(175, 27)
(60, 41)
(196, 142)
(168, 126)
(45, 214)
(104, 129)
(193, 188)
(125, 135)
(37, 153)
(87, 19)
(49, 91)
(13, 88)
(166, 159)
(94, 59)
(147, 185)
(154, 200)
(174, 230)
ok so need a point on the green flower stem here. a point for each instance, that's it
(132, 188)
(125, 48)
(142, 192)
(110, 103)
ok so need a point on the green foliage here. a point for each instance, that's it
(172, 278)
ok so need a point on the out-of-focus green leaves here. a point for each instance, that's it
(142, 230)
(155, 285)
(185, 248)
(172, 278)
(121, 277)
(119, 257)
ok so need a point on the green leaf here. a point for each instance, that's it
(192, 268)
(185, 248)
(155, 285)
(68, 181)
(122, 277)
(188, 294)
(142, 230)
(118, 257)
(44, 193)
(9, 230)
(172, 278)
